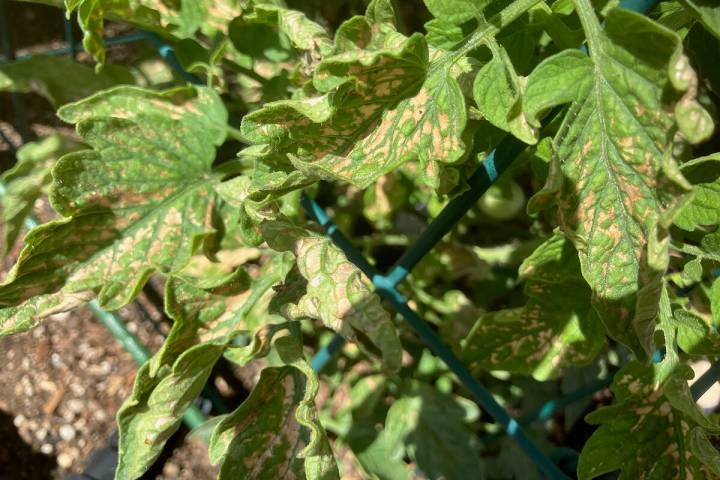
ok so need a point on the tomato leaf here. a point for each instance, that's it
(611, 163)
(60, 80)
(337, 293)
(206, 320)
(556, 327)
(140, 201)
(275, 432)
(28, 180)
(659, 428)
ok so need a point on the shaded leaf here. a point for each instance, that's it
(556, 327)
(28, 180)
(182, 19)
(431, 427)
(655, 430)
(707, 12)
(697, 333)
(60, 80)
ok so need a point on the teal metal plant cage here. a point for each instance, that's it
(386, 285)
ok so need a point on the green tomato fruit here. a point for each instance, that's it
(503, 202)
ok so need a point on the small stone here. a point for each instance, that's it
(170, 470)
(76, 406)
(67, 432)
(64, 460)
(104, 367)
(56, 360)
(77, 389)
(19, 421)
(46, 449)
(41, 434)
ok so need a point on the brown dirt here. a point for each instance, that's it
(60, 387)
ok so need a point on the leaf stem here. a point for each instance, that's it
(501, 20)
(590, 23)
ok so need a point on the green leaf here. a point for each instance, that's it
(697, 333)
(337, 292)
(444, 35)
(275, 433)
(715, 301)
(497, 90)
(431, 427)
(656, 435)
(141, 201)
(609, 171)
(703, 209)
(556, 328)
(456, 11)
(707, 12)
(206, 319)
(60, 80)
(28, 180)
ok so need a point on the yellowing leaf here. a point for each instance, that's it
(275, 433)
(141, 201)
(336, 292)
(610, 163)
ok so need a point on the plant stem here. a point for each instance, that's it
(590, 23)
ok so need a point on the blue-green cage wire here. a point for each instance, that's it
(386, 285)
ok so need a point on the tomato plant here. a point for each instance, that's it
(382, 115)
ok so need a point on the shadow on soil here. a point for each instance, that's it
(18, 460)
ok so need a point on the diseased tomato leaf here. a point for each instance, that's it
(275, 433)
(663, 431)
(207, 317)
(140, 201)
(611, 161)
(556, 328)
(337, 293)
